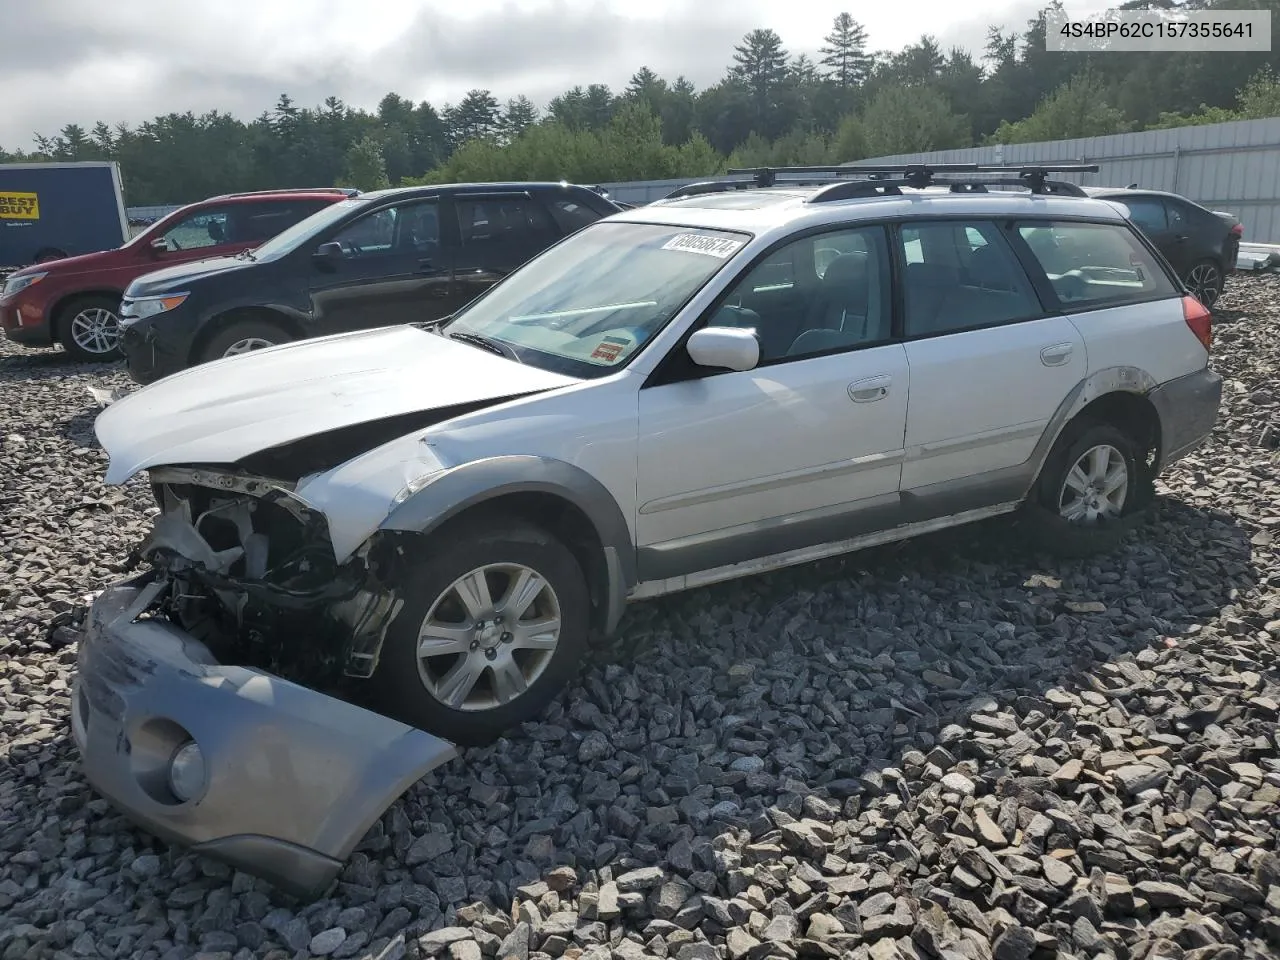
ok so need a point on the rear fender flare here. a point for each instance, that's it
(1119, 379)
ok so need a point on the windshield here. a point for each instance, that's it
(292, 238)
(589, 304)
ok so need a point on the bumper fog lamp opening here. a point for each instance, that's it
(187, 775)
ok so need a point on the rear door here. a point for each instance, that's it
(497, 232)
(1149, 214)
(395, 269)
(989, 364)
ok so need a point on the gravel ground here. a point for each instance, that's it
(947, 749)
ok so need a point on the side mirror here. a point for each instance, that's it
(725, 347)
(329, 255)
(159, 245)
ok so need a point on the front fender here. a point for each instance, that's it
(457, 489)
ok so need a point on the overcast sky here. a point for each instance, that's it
(78, 61)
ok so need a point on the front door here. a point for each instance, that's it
(206, 233)
(395, 268)
(989, 368)
(804, 449)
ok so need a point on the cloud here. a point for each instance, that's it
(79, 61)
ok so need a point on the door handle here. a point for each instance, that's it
(1056, 355)
(870, 389)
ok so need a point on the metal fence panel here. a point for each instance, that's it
(1223, 166)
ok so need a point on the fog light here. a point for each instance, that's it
(187, 772)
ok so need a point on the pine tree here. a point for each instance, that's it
(845, 55)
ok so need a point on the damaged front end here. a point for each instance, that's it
(250, 572)
(205, 704)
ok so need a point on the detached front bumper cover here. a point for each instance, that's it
(291, 779)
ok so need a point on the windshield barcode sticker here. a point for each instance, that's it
(698, 243)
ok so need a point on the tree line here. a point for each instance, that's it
(770, 107)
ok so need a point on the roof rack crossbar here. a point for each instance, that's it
(849, 181)
(853, 189)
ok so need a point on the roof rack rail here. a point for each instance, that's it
(348, 191)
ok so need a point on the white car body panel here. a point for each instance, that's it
(591, 425)
(1152, 337)
(738, 448)
(980, 399)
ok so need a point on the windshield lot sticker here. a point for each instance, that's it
(610, 348)
(698, 243)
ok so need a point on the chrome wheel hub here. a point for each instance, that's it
(488, 637)
(1096, 486)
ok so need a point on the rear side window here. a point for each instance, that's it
(503, 222)
(1146, 212)
(960, 276)
(255, 222)
(1096, 263)
(571, 215)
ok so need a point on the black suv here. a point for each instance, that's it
(1200, 244)
(406, 255)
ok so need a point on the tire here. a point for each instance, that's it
(1062, 522)
(243, 336)
(1205, 280)
(418, 690)
(89, 328)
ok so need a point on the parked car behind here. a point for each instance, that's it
(1200, 244)
(76, 301)
(405, 255)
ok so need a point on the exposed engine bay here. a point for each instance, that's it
(250, 572)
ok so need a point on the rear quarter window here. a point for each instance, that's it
(572, 215)
(1096, 263)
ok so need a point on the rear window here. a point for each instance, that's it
(1096, 263)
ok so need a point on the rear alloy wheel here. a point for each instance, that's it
(1092, 490)
(243, 336)
(1095, 488)
(1205, 282)
(89, 329)
(495, 622)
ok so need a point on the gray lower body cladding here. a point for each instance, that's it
(1188, 408)
(292, 778)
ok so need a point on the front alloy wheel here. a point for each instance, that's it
(89, 329)
(495, 622)
(489, 637)
(247, 344)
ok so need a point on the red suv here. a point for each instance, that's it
(76, 301)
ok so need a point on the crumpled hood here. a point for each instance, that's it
(220, 412)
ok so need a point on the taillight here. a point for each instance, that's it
(1199, 319)
(1238, 229)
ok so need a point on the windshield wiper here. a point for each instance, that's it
(484, 343)
(246, 255)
